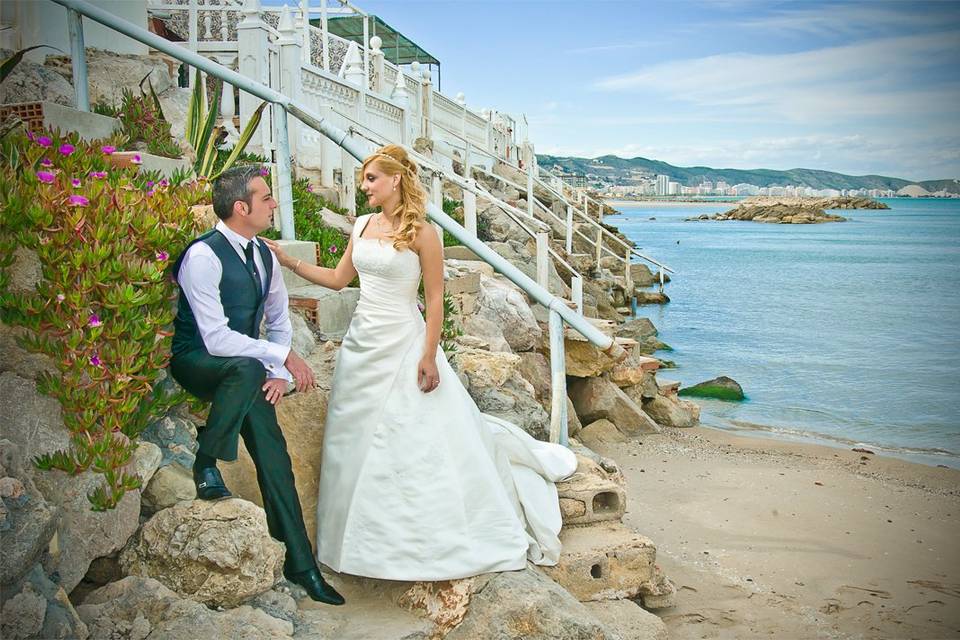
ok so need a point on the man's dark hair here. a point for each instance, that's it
(232, 185)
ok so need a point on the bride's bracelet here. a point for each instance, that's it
(296, 266)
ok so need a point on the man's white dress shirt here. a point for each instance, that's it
(199, 277)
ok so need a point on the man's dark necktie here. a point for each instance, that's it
(252, 268)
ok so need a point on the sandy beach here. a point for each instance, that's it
(767, 538)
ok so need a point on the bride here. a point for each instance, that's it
(415, 482)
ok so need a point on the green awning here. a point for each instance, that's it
(397, 48)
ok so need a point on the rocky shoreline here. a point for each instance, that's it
(792, 210)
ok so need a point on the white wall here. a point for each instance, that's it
(44, 22)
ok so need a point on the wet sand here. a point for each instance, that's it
(767, 538)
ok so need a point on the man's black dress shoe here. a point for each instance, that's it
(316, 587)
(210, 484)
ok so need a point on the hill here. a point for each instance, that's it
(626, 171)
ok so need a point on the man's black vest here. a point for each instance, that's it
(242, 304)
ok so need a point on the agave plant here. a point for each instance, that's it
(202, 133)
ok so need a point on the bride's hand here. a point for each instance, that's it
(282, 257)
(428, 377)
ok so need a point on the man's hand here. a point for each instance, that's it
(274, 389)
(300, 371)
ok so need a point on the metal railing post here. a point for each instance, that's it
(558, 382)
(568, 241)
(284, 182)
(470, 210)
(543, 257)
(576, 292)
(78, 55)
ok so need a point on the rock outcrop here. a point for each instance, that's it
(720, 388)
(217, 553)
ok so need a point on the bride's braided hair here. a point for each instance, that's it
(412, 208)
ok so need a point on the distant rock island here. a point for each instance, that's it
(777, 210)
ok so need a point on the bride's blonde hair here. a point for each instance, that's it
(412, 208)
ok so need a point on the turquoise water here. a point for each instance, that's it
(846, 333)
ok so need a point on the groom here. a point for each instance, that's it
(229, 282)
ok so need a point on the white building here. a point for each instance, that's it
(663, 185)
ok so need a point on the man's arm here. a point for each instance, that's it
(199, 277)
(276, 312)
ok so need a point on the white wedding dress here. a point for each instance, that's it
(422, 486)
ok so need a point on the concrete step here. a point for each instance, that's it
(300, 250)
(50, 115)
(330, 310)
(589, 495)
(605, 561)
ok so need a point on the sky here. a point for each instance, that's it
(855, 87)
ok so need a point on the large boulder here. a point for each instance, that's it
(503, 304)
(301, 417)
(38, 609)
(721, 388)
(31, 82)
(34, 423)
(535, 369)
(670, 411)
(526, 605)
(499, 225)
(596, 398)
(629, 619)
(170, 484)
(108, 73)
(175, 102)
(495, 384)
(138, 607)
(177, 438)
(217, 553)
(27, 521)
(18, 360)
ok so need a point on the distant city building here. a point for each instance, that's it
(673, 188)
(663, 185)
(722, 188)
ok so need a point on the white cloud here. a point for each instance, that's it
(877, 78)
(856, 19)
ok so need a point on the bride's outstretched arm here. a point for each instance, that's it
(336, 278)
(431, 264)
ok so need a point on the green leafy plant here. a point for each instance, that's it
(142, 121)
(102, 310)
(203, 135)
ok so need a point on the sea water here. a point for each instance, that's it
(847, 333)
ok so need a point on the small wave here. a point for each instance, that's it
(951, 457)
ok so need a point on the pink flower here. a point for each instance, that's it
(30, 136)
(95, 360)
(150, 193)
(45, 177)
(98, 174)
(66, 149)
(44, 141)
(310, 188)
(333, 248)
(94, 320)
(75, 182)
(149, 184)
(78, 201)
(264, 172)
(107, 149)
(164, 183)
(136, 159)
(162, 256)
(61, 297)
(46, 162)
